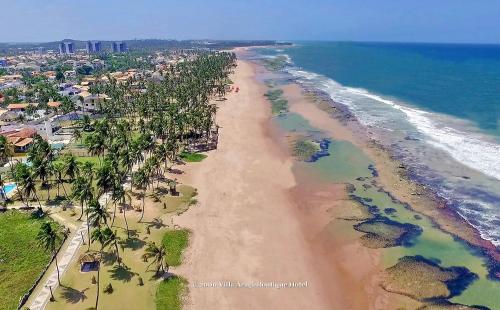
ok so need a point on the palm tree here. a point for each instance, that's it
(77, 135)
(49, 238)
(103, 237)
(118, 196)
(96, 214)
(141, 180)
(28, 184)
(105, 178)
(84, 193)
(157, 253)
(59, 169)
(71, 166)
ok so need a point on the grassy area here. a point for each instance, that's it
(193, 157)
(169, 294)
(21, 258)
(79, 293)
(173, 204)
(175, 241)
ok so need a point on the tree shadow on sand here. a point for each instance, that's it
(72, 295)
(156, 223)
(121, 273)
(133, 243)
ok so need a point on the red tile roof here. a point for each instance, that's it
(54, 104)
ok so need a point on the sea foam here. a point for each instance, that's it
(469, 148)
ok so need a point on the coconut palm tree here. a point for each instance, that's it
(118, 196)
(77, 135)
(157, 253)
(141, 180)
(71, 166)
(49, 237)
(96, 214)
(84, 193)
(105, 178)
(103, 237)
(59, 169)
(28, 183)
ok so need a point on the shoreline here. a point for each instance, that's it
(264, 206)
(393, 173)
(427, 201)
(246, 227)
(324, 115)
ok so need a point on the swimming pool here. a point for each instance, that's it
(9, 188)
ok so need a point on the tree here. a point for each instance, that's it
(84, 193)
(157, 253)
(103, 237)
(77, 135)
(71, 166)
(97, 215)
(49, 238)
(28, 184)
(59, 170)
(141, 180)
(60, 76)
(118, 196)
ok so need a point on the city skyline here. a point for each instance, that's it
(389, 21)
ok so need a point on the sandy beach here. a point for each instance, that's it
(247, 227)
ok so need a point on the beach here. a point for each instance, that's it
(258, 221)
(245, 229)
(264, 218)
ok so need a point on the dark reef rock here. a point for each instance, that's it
(350, 188)
(389, 211)
(373, 170)
(382, 232)
(425, 280)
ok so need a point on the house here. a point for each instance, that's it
(21, 139)
(91, 102)
(20, 107)
(54, 104)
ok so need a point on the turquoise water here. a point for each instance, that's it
(348, 164)
(9, 188)
(436, 107)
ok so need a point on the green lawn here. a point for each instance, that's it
(169, 294)
(193, 157)
(175, 241)
(21, 259)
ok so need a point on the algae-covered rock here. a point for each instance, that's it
(382, 232)
(424, 280)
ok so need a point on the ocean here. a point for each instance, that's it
(436, 106)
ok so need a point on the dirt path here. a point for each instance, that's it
(245, 227)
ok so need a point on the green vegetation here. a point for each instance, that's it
(192, 157)
(304, 149)
(169, 294)
(122, 62)
(278, 104)
(22, 258)
(428, 279)
(175, 241)
(276, 63)
(143, 130)
(274, 94)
